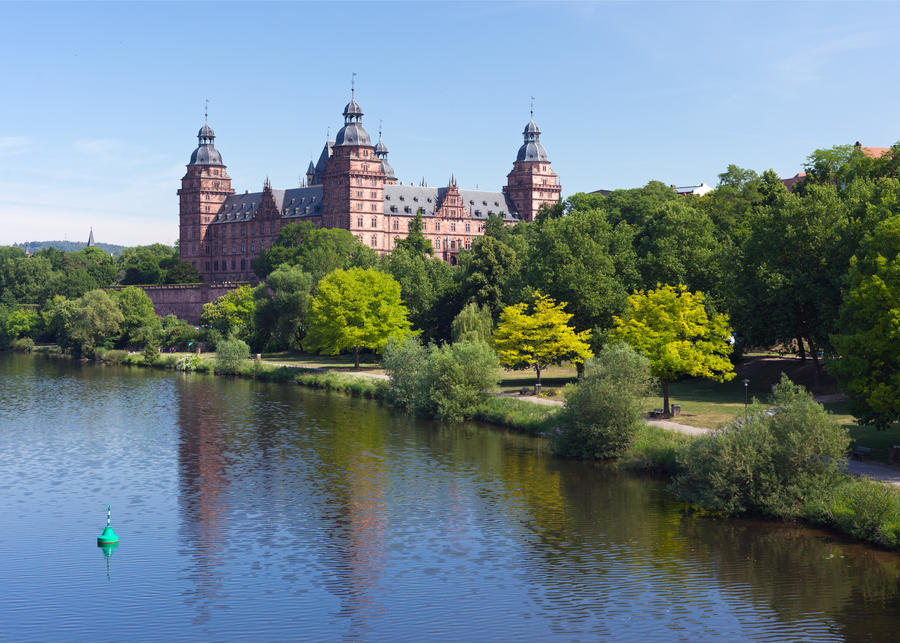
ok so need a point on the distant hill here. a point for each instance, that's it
(68, 246)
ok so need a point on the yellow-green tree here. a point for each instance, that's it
(539, 337)
(353, 309)
(671, 327)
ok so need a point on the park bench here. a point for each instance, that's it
(861, 453)
(657, 413)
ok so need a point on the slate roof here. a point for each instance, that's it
(293, 203)
(479, 204)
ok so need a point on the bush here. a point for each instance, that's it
(458, 376)
(867, 510)
(22, 345)
(113, 357)
(448, 382)
(767, 464)
(655, 450)
(603, 411)
(231, 355)
(151, 355)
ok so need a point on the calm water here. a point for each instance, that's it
(269, 513)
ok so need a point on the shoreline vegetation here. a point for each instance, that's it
(829, 498)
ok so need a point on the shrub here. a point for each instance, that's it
(231, 355)
(151, 355)
(114, 356)
(655, 450)
(406, 363)
(188, 363)
(458, 376)
(448, 382)
(768, 463)
(603, 411)
(867, 510)
(23, 345)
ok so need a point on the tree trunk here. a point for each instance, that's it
(817, 370)
(537, 385)
(801, 349)
(356, 358)
(579, 369)
(665, 387)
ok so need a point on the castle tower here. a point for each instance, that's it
(532, 182)
(381, 151)
(353, 183)
(203, 189)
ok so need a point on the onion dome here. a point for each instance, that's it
(380, 148)
(206, 152)
(352, 133)
(532, 150)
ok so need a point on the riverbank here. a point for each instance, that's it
(856, 506)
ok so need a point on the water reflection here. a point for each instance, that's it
(298, 511)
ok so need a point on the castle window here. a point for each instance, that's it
(452, 227)
(359, 206)
(359, 238)
(359, 222)
(243, 264)
(437, 244)
(373, 194)
(437, 226)
(396, 225)
(471, 202)
(374, 222)
(233, 264)
(416, 199)
(409, 225)
(373, 208)
(359, 193)
(402, 198)
(484, 203)
(387, 197)
(374, 241)
(216, 264)
(429, 199)
(393, 208)
(407, 209)
(467, 227)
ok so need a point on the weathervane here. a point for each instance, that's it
(532, 106)
(206, 112)
(352, 85)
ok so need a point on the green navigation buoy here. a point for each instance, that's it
(108, 537)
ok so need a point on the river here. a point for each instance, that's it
(260, 512)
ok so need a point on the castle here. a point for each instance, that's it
(352, 186)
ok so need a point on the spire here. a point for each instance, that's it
(206, 112)
(90, 243)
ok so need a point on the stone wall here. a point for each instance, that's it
(185, 301)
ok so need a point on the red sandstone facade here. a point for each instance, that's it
(351, 187)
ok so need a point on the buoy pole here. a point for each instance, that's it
(108, 537)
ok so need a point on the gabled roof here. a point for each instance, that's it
(479, 204)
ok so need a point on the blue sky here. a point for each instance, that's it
(102, 102)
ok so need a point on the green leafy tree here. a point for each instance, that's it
(100, 265)
(281, 306)
(415, 241)
(182, 272)
(869, 353)
(95, 321)
(354, 309)
(147, 264)
(425, 284)
(140, 326)
(487, 274)
(317, 251)
(603, 411)
(582, 259)
(473, 323)
(178, 333)
(231, 314)
(670, 326)
(539, 338)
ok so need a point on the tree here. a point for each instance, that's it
(231, 314)
(868, 366)
(317, 251)
(415, 241)
(147, 264)
(539, 339)
(354, 309)
(281, 306)
(140, 325)
(473, 323)
(582, 259)
(671, 328)
(492, 264)
(95, 320)
(182, 272)
(425, 282)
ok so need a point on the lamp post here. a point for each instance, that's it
(746, 381)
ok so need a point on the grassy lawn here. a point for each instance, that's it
(367, 361)
(553, 380)
(704, 403)
(866, 436)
